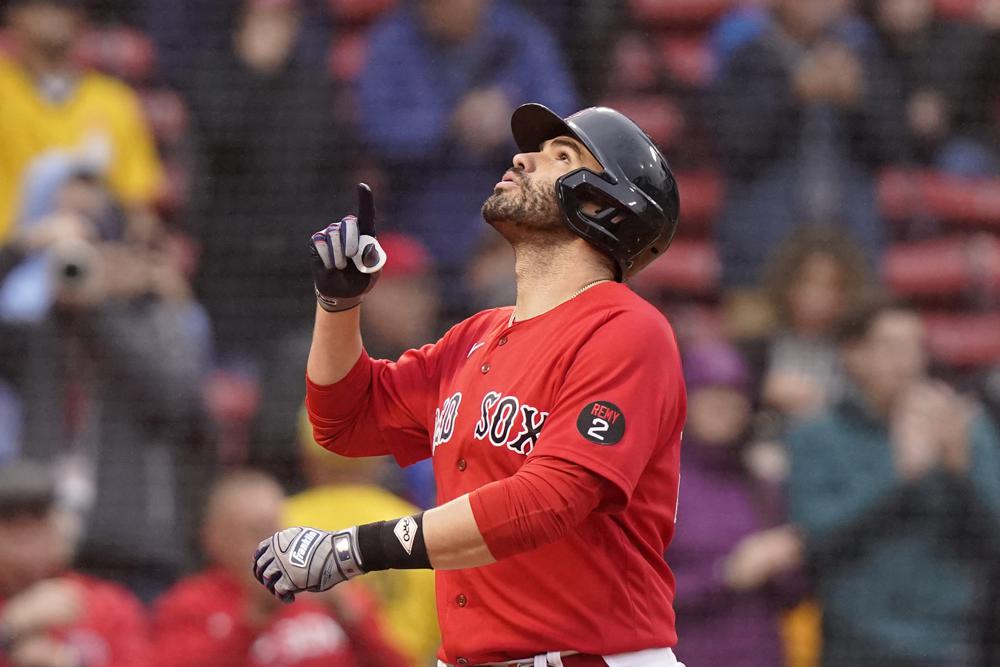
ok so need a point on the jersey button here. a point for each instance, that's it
(462, 465)
(485, 368)
(461, 600)
(502, 341)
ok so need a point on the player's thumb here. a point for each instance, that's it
(366, 210)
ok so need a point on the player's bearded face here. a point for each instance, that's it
(532, 205)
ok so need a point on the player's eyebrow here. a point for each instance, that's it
(566, 143)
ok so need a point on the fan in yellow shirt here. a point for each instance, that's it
(46, 104)
(344, 492)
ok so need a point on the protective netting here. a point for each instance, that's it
(834, 285)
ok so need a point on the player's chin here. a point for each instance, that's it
(497, 205)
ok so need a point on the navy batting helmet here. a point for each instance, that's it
(636, 191)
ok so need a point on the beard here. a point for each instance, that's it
(530, 210)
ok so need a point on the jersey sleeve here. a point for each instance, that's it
(380, 407)
(621, 401)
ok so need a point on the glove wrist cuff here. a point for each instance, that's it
(336, 304)
(394, 545)
(346, 553)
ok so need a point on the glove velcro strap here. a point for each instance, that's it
(336, 304)
(344, 562)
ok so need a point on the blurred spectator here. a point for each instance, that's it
(273, 161)
(440, 82)
(61, 197)
(404, 313)
(739, 26)
(49, 103)
(897, 492)
(346, 492)
(490, 274)
(222, 617)
(110, 380)
(811, 281)
(936, 65)
(582, 30)
(800, 133)
(51, 616)
(188, 31)
(734, 559)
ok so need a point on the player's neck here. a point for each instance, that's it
(550, 275)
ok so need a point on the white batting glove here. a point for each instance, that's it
(306, 559)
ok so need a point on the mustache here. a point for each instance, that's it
(519, 175)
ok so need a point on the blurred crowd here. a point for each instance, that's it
(835, 288)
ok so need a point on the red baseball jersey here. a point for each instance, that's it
(596, 381)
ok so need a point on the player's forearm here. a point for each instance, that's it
(336, 345)
(453, 538)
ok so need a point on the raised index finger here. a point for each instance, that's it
(366, 210)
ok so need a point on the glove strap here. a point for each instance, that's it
(336, 304)
(345, 557)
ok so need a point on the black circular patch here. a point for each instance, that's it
(601, 422)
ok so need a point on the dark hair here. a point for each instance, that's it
(787, 262)
(859, 319)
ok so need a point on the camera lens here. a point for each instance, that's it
(73, 271)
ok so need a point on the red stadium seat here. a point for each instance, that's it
(124, 52)
(701, 200)
(964, 340)
(166, 114)
(690, 267)
(679, 13)
(634, 63)
(659, 116)
(944, 267)
(358, 11)
(961, 201)
(933, 268)
(346, 57)
(689, 60)
(956, 9)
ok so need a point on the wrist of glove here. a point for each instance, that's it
(336, 304)
(306, 559)
(346, 257)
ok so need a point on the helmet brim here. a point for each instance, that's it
(533, 124)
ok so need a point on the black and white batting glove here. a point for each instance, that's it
(306, 559)
(346, 257)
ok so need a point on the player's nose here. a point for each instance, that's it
(524, 161)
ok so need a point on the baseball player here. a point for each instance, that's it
(554, 425)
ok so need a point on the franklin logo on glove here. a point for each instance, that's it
(303, 547)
